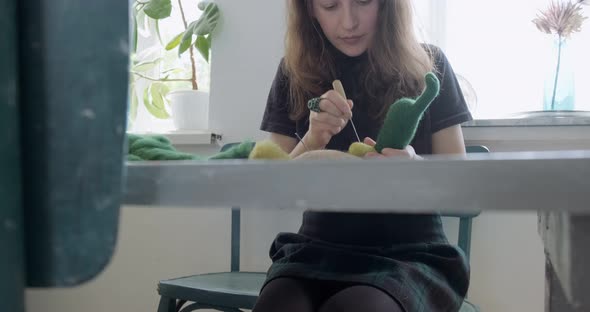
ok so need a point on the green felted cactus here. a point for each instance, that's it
(404, 116)
(401, 121)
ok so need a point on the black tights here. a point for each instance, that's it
(296, 295)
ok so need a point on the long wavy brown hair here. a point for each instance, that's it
(396, 62)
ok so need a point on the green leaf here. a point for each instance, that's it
(174, 42)
(203, 45)
(142, 27)
(158, 9)
(159, 92)
(166, 74)
(208, 20)
(147, 66)
(158, 32)
(202, 27)
(203, 4)
(187, 40)
(148, 54)
(155, 111)
(134, 35)
(173, 71)
(133, 105)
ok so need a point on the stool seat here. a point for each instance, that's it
(228, 289)
(234, 290)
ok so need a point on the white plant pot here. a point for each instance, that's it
(190, 109)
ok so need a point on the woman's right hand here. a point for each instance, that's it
(335, 114)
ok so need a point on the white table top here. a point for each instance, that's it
(539, 181)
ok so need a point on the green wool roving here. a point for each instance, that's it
(239, 151)
(403, 117)
(157, 148)
(154, 147)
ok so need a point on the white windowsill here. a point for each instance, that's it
(502, 136)
(481, 131)
(528, 133)
(530, 122)
(553, 131)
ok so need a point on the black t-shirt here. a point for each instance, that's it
(447, 110)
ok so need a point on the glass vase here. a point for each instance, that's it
(559, 90)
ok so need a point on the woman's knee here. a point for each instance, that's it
(361, 298)
(284, 294)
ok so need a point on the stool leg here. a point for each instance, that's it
(167, 305)
(179, 305)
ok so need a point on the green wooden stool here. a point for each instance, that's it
(12, 268)
(235, 290)
(63, 103)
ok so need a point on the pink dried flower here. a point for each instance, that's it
(561, 18)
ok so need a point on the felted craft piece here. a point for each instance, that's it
(401, 121)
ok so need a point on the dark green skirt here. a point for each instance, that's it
(425, 276)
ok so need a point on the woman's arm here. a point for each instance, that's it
(288, 144)
(448, 141)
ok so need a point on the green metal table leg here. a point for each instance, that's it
(12, 275)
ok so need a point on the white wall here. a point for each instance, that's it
(247, 51)
(153, 244)
(160, 243)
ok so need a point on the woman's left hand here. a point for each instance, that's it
(407, 153)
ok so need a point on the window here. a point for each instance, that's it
(496, 47)
(502, 60)
(151, 47)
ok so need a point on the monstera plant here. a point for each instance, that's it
(189, 105)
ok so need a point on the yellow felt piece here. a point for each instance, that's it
(324, 154)
(360, 149)
(268, 150)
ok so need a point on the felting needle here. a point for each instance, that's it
(337, 85)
